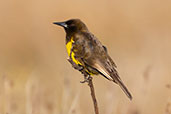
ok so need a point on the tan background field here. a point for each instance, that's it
(36, 78)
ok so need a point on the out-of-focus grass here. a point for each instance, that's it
(35, 77)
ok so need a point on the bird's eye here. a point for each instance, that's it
(72, 25)
(69, 22)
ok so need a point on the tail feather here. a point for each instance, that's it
(111, 74)
(123, 87)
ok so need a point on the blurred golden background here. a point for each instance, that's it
(36, 78)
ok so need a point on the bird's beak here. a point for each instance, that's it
(63, 24)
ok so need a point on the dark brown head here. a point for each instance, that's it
(72, 25)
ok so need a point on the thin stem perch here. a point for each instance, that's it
(90, 84)
(88, 79)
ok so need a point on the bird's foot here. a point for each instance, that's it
(87, 78)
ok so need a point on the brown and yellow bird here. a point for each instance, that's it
(88, 54)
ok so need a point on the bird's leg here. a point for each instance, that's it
(81, 69)
(86, 78)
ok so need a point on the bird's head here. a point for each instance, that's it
(72, 25)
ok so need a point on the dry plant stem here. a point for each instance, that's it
(88, 79)
(90, 84)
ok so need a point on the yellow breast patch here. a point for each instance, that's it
(69, 47)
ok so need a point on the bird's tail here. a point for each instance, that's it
(123, 87)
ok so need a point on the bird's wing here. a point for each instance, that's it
(90, 51)
(105, 66)
(102, 70)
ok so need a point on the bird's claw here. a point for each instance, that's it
(86, 79)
